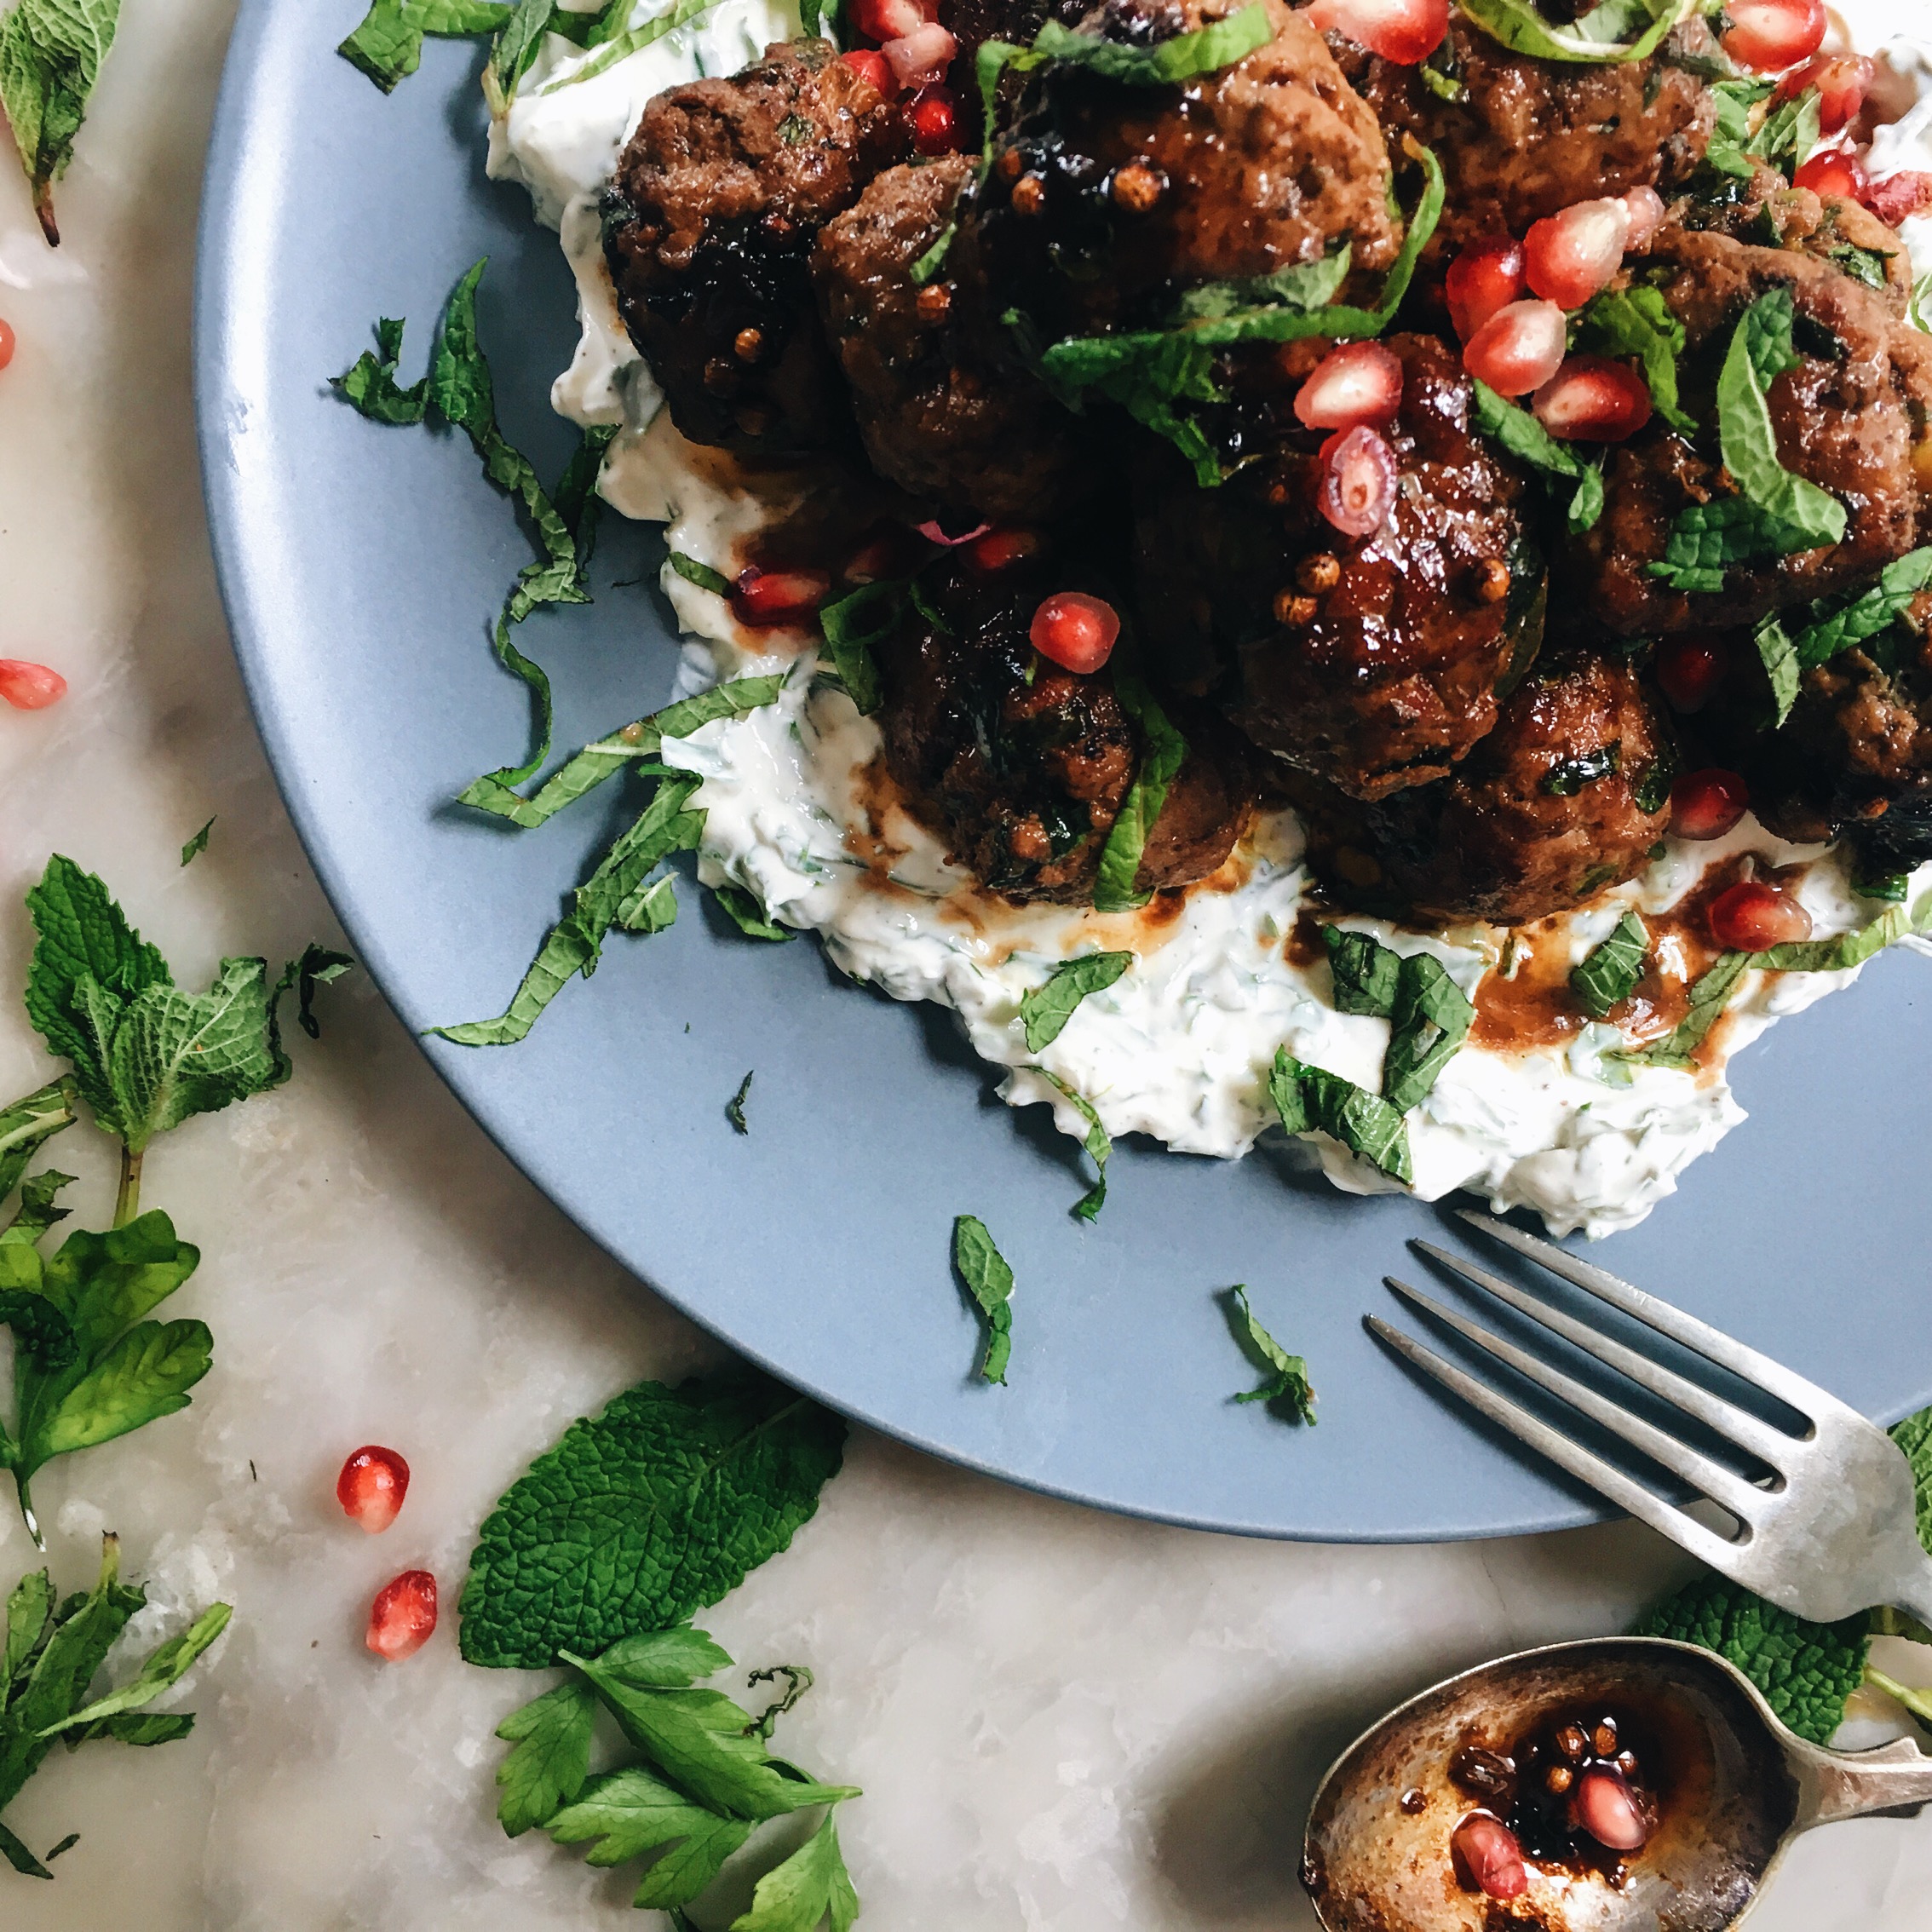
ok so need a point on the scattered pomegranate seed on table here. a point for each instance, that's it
(1487, 1856)
(403, 1616)
(1571, 256)
(872, 65)
(1404, 31)
(1358, 383)
(1519, 349)
(778, 596)
(1077, 632)
(1769, 36)
(7, 341)
(1755, 915)
(1707, 804)
(1689, 668)
(1358, 485)
(372, 1485)
(1594, 399)
(1603, 1804)
(29, 686)
(1842, 81)
(1835, 170)
(1485, 277)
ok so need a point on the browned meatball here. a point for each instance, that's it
(1022, 767)
(1851, 418)
(1530, 137)
(1373, 661)
(937, 418)
(709, 230)
(1566, 796)
(1104, 199)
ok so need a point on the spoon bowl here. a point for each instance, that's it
(1733, 1787)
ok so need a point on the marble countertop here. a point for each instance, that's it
(1061, 1719)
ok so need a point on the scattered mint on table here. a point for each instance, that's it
(1045, 1010)
(1287, 1376)
(657, 1507)
(54, 1649)
(50, 57)
(983, 1272)
(197, 845)
(734, 1107)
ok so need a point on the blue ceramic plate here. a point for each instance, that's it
(362, 568)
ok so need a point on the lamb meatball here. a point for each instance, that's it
(1105, 199)
(1023, 767)
(1853, 418)
(939, 416)
(1373, 661)
(1566, 796)
(718, 199)
(1530, 137)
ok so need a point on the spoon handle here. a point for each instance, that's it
(1835, 1784)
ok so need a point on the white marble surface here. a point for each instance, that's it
(1061, 1720)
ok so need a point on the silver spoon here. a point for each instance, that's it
(1734, 1788)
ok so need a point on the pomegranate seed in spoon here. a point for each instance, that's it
(1571, 256)
(371, 1486)
(1485, 277)
(1707, 804)
(1519, 349)
(1077, 632)
(1401, 30)
(1358, 383)
(1593, 400)
(1755, 915)
(1358, 484)
(1488, 1857)
(1603, 1804)
(403, 1616)
(30, 688)
(1769, 36)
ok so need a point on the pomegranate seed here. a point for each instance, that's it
(1358, 484)
(1755, 915)
(1519, 349)
(1603, 1804)
(1571, 256)
(936, 532)
(371, 1486)
(1358, 383)
(1769, 36)
(778, 596)
(864, 60)
(1592, 398)
(1077, 632)
(1000, 550)
(1899, 196)
(934, 120)
(1706, 804)
(1645, 207)
(30, 688)
(1842, 81)
(922, 56)
(1689, 668)
(1488, 1857)
(889, 19)
(1485, 277)
(1401, 30)
(403, 1616)
(1835, 170)
(6, 342)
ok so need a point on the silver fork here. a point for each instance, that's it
(1829, 1534)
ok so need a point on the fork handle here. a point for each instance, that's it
(1835, 1784)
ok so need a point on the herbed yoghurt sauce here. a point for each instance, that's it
(1179, 1047)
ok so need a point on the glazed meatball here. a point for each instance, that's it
(1022, 767)
(1373, 661)
(1528, 138)
(939, 416)
(1566, 796)
(1853, 418)
(708, 230)
(1105, 199)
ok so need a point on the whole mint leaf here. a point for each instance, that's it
(660, 1506)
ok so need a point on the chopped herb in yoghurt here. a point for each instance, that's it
(748, 916)
(1607, 977)
(1045, 1010)
(1098, 1143)
(1311, 1100)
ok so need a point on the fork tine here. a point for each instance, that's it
(1806, 1397)
(1605, 1478)
(1737, 1425)
(1722, 1485)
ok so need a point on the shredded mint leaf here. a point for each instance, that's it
(517, 46)
(551, 1759)
(1894, 886)
(1589, 40)
(1205, 50)
(748, 916)
(1847, 950)
(1866, 265)
(1431, 1018)
(1566, 779)
(1805, 1670)
(987, 1278)
(1919, 308)
(734, 1107)
(662, 1505)
(701, 574)
(1287, 1382)
(1606, 978)
(812, 1885)
(1045, 1010)
(851, 626)
(388, 46)
(1706, 539)
(1780, 657)
(1868, 614)
(631, 42)
(1311, 1100)
(1098, 1143)
(1787, 135)
(1164, 752)
(50, 57)
(370, 386)
(1709, 997)
(29, 1123)
(1367, 972)
(198, 844)
(1638, 321)
(1307, 286)
(1525, 438)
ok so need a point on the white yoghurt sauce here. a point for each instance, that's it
(1180, 1046)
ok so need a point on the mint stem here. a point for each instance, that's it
(127, 1203)
(27, 1516)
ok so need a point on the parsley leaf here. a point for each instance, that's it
(983, 1271)
(1287, 1375)
(551, 1759)
(197, 845)
(1431, 1019)
(1638, 321)
(50, 57)
(1592, 39)
(1525, 438)
(388, 46)
(1098, 1143)
(629, 1812)
(1311, 1100)
(633, 1521)
(30, 1123)
(1045, 1010)
(811, 1886)
(1607, 977)
(1164, 752)
(1867, 613)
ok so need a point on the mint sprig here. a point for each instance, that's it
(51, 53)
